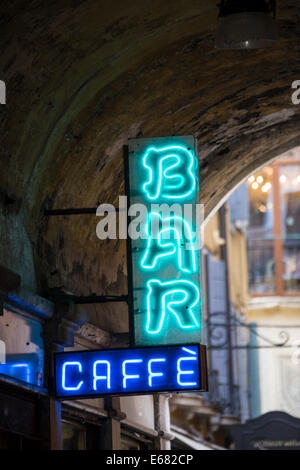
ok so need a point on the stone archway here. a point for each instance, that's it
(88, 76)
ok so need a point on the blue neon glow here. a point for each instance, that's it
(26, 306)
(71, 365)
(189, 351)
(24, 367)
(173, 297)
(101, 377)
(150, 371)
(157, 250)
(171, 173)
(129, 376)
(184, 372)
(123, 371)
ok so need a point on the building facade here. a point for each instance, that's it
(252, 304)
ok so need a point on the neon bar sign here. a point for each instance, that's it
(128, 371)
(164, 279)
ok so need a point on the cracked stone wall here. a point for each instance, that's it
(84, 76)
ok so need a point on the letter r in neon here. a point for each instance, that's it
(178, 297)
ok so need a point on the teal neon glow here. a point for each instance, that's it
(177, 180)
(184, 294)
(157, 250)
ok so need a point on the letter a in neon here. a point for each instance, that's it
(158, 249)
(177, 297)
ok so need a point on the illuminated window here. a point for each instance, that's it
(261, 203)
(260, 232)
(290, 226)
(273, 234)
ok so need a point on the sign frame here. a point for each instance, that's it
(127, 151)
(203, 378)
(128, 250)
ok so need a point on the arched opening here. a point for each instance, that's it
(81, 79)
(251, 271)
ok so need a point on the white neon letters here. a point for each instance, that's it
(152, 374)
(101, 377)
(91, 373)
(129, 376)
(181, 372)
(71, 364)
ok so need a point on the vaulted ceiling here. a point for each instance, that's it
(82, 76)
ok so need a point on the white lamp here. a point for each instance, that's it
(246, 24)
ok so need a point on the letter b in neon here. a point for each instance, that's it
(171, 173)
(179, 298)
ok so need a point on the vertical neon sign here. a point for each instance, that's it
(166, 294)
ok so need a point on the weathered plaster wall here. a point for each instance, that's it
(83, 76)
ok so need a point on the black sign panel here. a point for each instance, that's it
(272, 431)
(130, 371)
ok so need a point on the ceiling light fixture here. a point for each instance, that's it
(246, 24)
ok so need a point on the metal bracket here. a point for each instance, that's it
(218, 338)
(79, 211)
(89, 299)
(116, 414)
